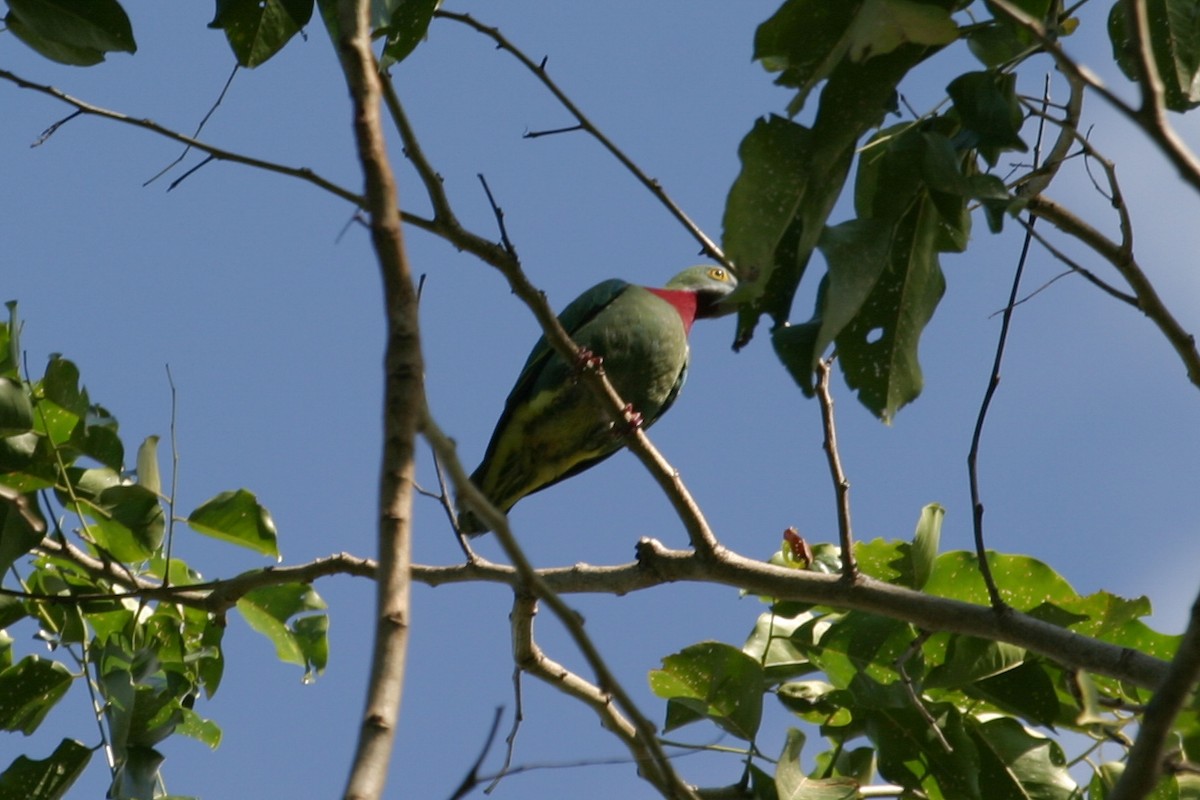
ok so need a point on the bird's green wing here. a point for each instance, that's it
(578, 313)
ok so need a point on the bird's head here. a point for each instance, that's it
(711, 284)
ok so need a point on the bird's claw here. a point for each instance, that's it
(589, 360)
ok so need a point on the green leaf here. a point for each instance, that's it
(866, 644)
(76, 25)
(761, 212)
(10, 343)
(258, 29)
(970, 659)
(987, 106)
(405, 28)
(1028, 691)
(771, 646)
(21, 526)
(237, 517)
(925, 543)
(792, 784)
(878, 349)
(202, 730)
(1175, 40)
(47, 779)
(268, 611)
(883, 25)
(1017, 763)
(28, 690)
(713, 680)
(60, 385)
(1024, 582)
(16, 412)
(147, 465)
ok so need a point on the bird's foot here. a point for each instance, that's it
(589, 360)
(632, 417)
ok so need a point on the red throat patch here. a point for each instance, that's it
(682, 301)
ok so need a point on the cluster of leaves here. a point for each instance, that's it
(81, 32)
(915, 181)
(938, 715)
(83, 593)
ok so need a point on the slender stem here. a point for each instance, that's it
(841, 484)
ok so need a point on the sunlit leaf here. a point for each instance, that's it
(1015, 762)
(925, 543)
(716, 681)
(269, 610)
(147, 465)
(237, 517)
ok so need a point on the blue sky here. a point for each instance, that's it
(269, 316)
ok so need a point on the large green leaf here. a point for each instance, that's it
(28, 690)
(991, 116)
(878, 349)
(712, 680)
(258, 29)
(47, 779)
(99, 26)
(1019, 764)
(21, 526)
(237, 517)
(1175, 39)
(771, 241)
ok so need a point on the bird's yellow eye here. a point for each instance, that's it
(718, 274)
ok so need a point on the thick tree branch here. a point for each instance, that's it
(659, 565)
(403, 399)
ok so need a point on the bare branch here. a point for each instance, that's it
(1122, 258)
(1155, 126)
(403, 400)
(707, 245)
(841, 485)
(302, 173)
(529, 582)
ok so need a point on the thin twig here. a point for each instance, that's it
(471, 779)
(841, 484)
(174, 477)
(302, 173)
(707, 245)
(510, 741)
(204, 121)
(994, 381)
(913, 648)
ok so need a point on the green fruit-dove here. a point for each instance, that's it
(553, 426)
